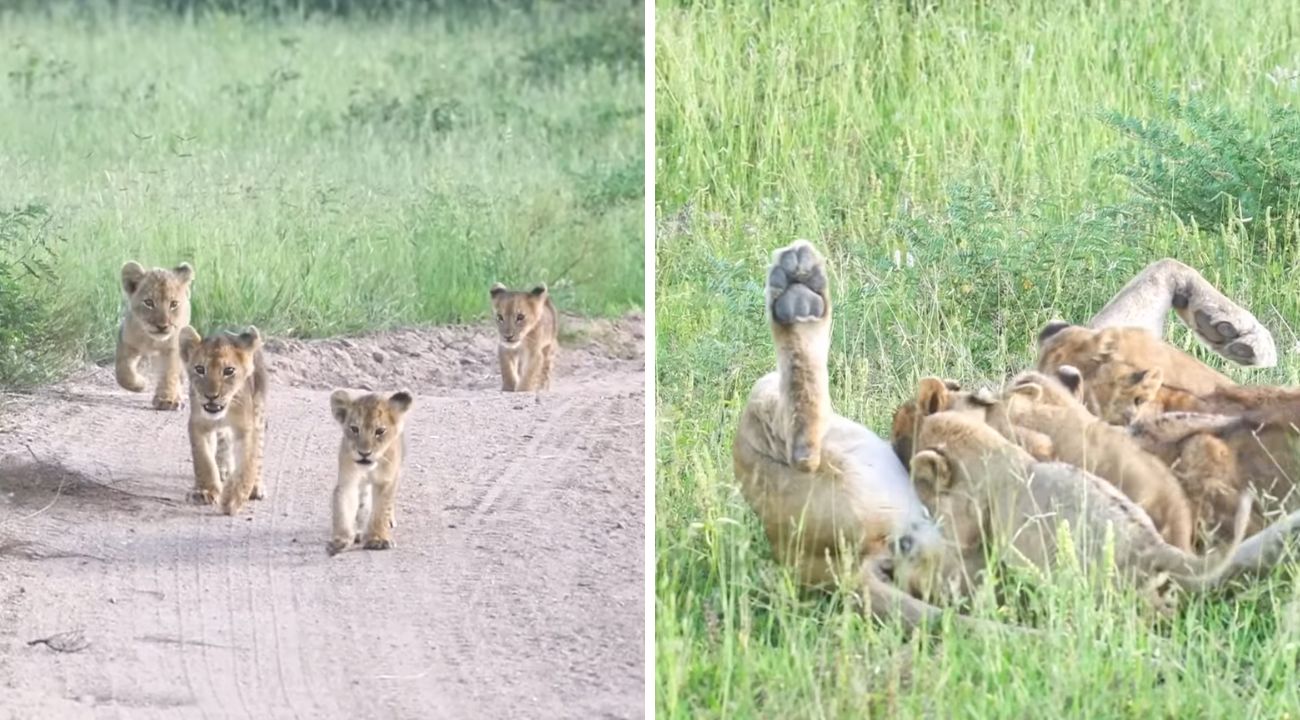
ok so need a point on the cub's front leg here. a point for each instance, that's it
(347, 498)
(246, 476)
(509, 371)
(382, 517)
(126, 361)
(207, 479)
(167, 395)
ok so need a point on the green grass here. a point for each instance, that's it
(974, 139)
(324, 175)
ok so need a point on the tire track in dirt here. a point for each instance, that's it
(502, 595)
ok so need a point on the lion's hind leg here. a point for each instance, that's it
(1222, 325)
(799, 308)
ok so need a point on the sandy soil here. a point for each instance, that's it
(515, 590)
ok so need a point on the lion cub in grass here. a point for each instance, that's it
(228, 382)
(527, 323)
(370, 463)
(157, 307)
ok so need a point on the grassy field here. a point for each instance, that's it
(958, 168)
(322, 175)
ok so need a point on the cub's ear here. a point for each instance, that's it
(184, 273)
(340, 401)
(1152, 378)
(1030, 390)
(251, 338)
(1051, 329)
(189, 341)
(400, 401)
(932, 396)
(952, 385)
(931, 473)
(497, 289)
(1071, 378)
(984, 397)
(132, 274)
(538, 291)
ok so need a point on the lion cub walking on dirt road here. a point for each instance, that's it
(228, 382)
(529, 332)
(370, 463)
(157, 307)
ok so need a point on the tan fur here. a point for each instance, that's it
(1121, 389)
(1088, 349)
(370, 464)
(1257, 451)
(228, 386)
(835, 503)
(1042, 417)
(529, 335)
(991, 496)
(157, 307)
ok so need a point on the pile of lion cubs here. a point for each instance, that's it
(228, 386)
(1162, 469)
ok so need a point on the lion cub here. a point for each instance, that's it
(228, 382)
(370, 463)
(157, 307)
(529, 332)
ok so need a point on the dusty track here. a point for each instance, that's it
(515, 589)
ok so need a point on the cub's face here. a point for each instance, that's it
(1125, 393)
(371, 422)
(219, 367)
(933, 395)
(517, 311)
(159, 298)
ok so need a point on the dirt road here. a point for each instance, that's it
(515, 589)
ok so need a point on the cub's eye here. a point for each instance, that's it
(500, 318)
(355, 430)
(379, 432)
(175, 304)
(1137, 401)
(228, 371)
(148, 304)
(200, 370)
(519, 317)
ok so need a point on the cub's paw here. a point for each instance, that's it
(797, 285)
(231, 503)
(356, 539)
(336, 546)
(378, 544)
(166, 403)
(133, 384)
(203, 497)
(257, 493)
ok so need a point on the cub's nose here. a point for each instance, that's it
(210, 397)
(163, 327)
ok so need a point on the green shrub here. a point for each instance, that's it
(1208, 166)
(36, 341)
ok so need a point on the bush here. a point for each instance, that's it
(36, 341)
(1208, 166)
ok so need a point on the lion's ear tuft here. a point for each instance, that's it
(1070, 377)
(401, 401)
(250, 339)
(1051, 329)
(189, 342)
(340, 402)
(932, 396)
(132, 275)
